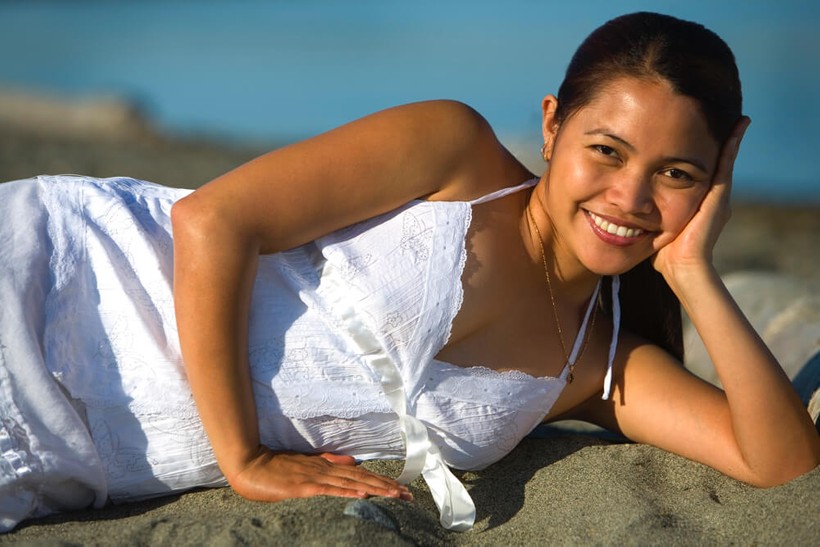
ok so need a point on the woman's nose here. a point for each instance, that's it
(632, 193)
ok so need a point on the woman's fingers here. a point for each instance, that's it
(715, 206)
(693, 246)
(274, 477)
(353, 478)
(370, 478)
(716, 203)
(726, 163)
(338, 459)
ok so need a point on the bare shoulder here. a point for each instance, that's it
(489, 165)
(457, 117)
(443, 119)
(454, 131)
(436, 150)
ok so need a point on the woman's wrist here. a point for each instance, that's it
(234, 465)
(687, 281)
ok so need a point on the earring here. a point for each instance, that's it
(544, 151)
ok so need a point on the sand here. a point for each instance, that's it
(558, 490)
(572, 490)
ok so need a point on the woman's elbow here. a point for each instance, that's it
(204, 230)
(183, 213)
(192, 219)
(786, 472)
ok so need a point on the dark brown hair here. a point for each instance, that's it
(690, 57)
(697, 63)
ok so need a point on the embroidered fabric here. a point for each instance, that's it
(109, 340)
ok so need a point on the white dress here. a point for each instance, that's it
(94, 402)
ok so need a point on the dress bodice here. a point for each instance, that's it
(394, 279)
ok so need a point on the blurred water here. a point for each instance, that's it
(287, 69)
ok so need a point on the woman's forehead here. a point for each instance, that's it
(645, 113)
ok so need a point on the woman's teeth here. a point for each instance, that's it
(614, 229)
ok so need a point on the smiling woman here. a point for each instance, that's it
(399, 287)
(632, 164)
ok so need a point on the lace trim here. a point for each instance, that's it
(507, 375)
(462, 263)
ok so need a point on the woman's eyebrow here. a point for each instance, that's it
(694, 163)
(613, 136)
(668, 159)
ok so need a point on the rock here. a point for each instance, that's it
(367, 510)
(784, 310)
(89, 118)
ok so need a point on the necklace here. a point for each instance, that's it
(588, 334)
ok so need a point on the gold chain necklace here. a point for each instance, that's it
(588, 334)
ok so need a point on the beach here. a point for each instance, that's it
(557, 488)
(563, 491)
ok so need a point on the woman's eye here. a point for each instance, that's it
(678, 178)
(678, 175)
(605, 150)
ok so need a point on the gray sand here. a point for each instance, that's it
(573, 490)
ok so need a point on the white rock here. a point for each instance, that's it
(784, 310)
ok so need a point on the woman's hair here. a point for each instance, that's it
(698, 64)
(695, 61)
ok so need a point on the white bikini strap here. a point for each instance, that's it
(579, 338)
(498, 194)
(616, 326)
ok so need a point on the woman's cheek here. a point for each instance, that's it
(678, 207)
(583, 180)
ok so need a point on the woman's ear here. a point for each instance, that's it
(549, 127)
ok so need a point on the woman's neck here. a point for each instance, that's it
(567, 275)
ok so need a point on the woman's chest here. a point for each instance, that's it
(506, 321)
(502, 321)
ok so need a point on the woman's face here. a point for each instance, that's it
(626, 173)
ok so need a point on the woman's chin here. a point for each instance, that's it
(614, 266)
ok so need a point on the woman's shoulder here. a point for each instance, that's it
(487, 164)
(449, 113)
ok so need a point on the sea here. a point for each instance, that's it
(277, 71)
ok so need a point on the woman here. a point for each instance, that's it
(398, 287)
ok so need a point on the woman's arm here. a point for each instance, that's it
(756, 429)
(278, 201)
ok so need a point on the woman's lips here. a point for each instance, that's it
(615, 233)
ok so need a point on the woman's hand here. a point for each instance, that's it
(692, 248)
(272, 476)
(756, 429)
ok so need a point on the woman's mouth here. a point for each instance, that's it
(615, 229)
